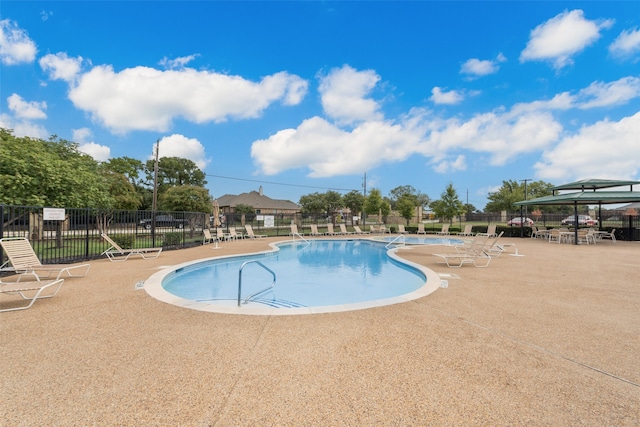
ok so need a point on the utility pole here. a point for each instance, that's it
(155, 177)
(155, 195)
(364, 192)
(522, 217)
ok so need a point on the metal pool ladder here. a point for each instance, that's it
(257, 293)
(400, 240)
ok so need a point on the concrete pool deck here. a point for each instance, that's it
(548, 338)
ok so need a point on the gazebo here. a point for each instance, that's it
(589, 195)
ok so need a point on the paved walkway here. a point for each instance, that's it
(546, 339)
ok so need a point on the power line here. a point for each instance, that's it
(279, 183)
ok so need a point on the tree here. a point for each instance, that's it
(130, 168)
(449, 204)
(49, 173)
(419, 199)
(513, 191)
(406, 205)
(312, 203)
(373, 202)
(174, 171)
(333, 202)
(354, 200)
(187, 198)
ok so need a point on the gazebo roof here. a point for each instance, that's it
(585, 198)
(595, 184)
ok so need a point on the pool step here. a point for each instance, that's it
(278, 303)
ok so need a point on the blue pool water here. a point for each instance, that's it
(309, 274)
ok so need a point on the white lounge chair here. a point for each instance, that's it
(343, 230)
(330, 230)
(314, 230)
(607, 235)
(374, 229)
(444, 231)
(421, 229)
(467, 231)
(383, 229)
(358, 230)
(491, 231)
(251, 234)
(474, 255)
(401, 229)
(294, 230)
(207, 237)
(24, 261)
(30, 291)
(116, 253)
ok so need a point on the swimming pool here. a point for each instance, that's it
(317, 276)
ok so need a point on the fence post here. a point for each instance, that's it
(86, 227)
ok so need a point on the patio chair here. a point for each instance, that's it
(221, 235)
(421, 229)
(314, 230)
(294, 231)
(233, 234)
(474, 255)
(444, 231)
(373, 229)
(401, 229)
(251, 234)
(358, 230)
(491, 231)
(343, 230)
(607, 235)
(467, 231)
(330, 230)
(207, 237)
(24, 261)
(25, 289)
(116, 253)
(383, 229)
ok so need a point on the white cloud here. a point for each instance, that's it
(626, 44)
(15, 45)
(448, 166)
(315, 142)
(177, 63)
(143, 98)
(177, 145)
(60, 66)
(610, 148)
(596, 95)
(101, 153)
(26, 110)
(81, 135)
(23, 127)
(344, 91)
(600, 94)
(562, 37)
(475, 67)
(438, 96)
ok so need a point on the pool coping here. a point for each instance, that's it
(153, 287)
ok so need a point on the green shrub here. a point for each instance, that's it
(126, 241)
(172, 239)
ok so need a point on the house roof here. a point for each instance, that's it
(257, 201)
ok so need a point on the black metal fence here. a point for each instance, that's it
(72, 235)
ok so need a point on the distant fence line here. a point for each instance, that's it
(71, 235)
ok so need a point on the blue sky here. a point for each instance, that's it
(307, 96)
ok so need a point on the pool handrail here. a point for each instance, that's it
(400, 237)
(257, 293)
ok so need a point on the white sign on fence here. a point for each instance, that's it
(269, 221)
(53, 214)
